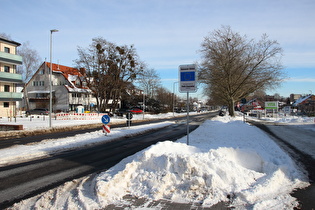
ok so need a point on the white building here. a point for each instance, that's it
(69, 89)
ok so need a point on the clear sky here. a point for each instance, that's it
(166, 33)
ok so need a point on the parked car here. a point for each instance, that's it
(121, 112)
(135, 110)
(38, 111)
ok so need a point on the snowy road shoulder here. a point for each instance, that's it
(22, 153)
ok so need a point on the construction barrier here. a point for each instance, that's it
(78, 116)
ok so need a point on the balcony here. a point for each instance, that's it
(9, 77)
(10, 96)
(10, 58)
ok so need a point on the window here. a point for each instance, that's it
(6, 68)
(76, 95)
(6, 49)
(38, 83)
(6, 88)
(42, 71)
(6, 104)
(42, 95)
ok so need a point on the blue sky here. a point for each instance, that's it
(167, 33)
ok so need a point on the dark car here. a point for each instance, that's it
(38, 111)
(121, 112)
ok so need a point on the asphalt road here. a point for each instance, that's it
(299, 143)
(24, 180)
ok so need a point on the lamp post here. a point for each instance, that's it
(174, 98)
(143, 104)
(50, 77)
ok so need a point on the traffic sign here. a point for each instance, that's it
(105, 119)
(106, 129)
(187, 76)
(129, 116)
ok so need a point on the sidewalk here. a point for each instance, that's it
(163, 205)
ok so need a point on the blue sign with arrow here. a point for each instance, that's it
(105, 119)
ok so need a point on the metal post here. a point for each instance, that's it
(50, 77)
(174, 98)
(187, 107)
(143, 104)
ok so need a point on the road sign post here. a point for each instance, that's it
(105, 120)
(187, 83)
(129, 117)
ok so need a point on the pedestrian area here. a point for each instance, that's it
(142, 203)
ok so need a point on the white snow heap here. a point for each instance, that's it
(234, 161)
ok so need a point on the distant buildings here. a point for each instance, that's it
(9, 79)
(305, 105)
(294, 97)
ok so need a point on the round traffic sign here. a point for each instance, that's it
(105, 119)
(129, 116)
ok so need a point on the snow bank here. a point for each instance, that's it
(227, 160)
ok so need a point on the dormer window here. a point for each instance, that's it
(6, 49)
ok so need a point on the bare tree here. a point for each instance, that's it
(5, 36)
(110, 69)
(149, 81)
(31, 61)
(233, 66)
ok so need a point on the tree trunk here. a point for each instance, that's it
(231, 107)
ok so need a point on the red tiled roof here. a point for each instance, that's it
(66, 70)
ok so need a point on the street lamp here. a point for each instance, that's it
(143, 104)
(174, 98)
(50, 77)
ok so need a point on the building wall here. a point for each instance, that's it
(9, 79)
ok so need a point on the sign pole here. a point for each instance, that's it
(187, 107)
(187, 83)
(105, 120)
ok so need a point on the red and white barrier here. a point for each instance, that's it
(106, 129)
(78, 116)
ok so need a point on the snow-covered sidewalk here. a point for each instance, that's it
(227, 160)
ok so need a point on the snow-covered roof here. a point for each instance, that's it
(77, 90)
(71, 75)
(300, 100)
(40, 91)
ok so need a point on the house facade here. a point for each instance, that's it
(9, 79)
(305, 105)
(69, 90)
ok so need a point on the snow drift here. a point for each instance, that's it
(226, 161)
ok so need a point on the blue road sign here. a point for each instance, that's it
(105, 119)
(187, 76)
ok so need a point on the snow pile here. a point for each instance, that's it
(296, 120)
(227, 160)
